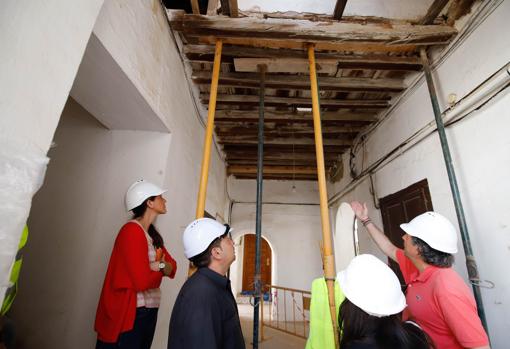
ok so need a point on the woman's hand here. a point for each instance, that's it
(360, 210)
(167, 271)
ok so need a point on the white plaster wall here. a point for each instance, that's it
(41, 47)
(137, 36)
(73, 222)
(293, 231)
(480, 150)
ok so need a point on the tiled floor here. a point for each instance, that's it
(273, 339)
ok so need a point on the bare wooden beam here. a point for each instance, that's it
(241, 139)
(433, 11)
(339, 9)
(212, 5)
(205, 53)
(251, 80)
(284, 116)
(294, 101)
(234, 11)
(195, 7)
(307, 31)
(253, 162)
(457, 9)
(285, 148)
(306, 170)
(233, 155)
(225, 7)
(299, 44)
(223, 129)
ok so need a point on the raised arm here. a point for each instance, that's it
(381, 240)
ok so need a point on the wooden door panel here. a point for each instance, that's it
(401, 207)
(249, 262)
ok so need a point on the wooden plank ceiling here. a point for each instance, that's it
(362, 65)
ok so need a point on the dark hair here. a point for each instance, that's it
(385, 332)
(432, 256)
(204, 259)
(139, 211)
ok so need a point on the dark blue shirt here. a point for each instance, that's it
(205, 314)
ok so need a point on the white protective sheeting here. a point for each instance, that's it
(22, 169)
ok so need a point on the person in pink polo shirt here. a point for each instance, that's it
(437, 297)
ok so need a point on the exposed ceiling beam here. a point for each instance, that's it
(269, 129)
(285, 148)
(301, 82)
(225, 7)
(237, 139)
(301, 44)
(233, 155)
(304, 170)
(339, 9)
(284, 116)
(212, 5)
(294, 101)
(205, 53)
(234, 11)
(457, 9)
(307, 31)
(433, 11)
(195, 7)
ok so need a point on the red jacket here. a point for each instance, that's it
(128, 273)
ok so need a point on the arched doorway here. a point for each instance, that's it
(249, 262)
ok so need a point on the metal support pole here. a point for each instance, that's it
(328, 258)
(472, 268)
(258, 227)
(206, 157)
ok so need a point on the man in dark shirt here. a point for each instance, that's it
(205, 313)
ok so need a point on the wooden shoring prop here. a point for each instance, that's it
(206, 158)
(328, 257)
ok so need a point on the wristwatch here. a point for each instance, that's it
(161, 267)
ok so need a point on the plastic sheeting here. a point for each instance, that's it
(22, 169)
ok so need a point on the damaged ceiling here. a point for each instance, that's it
(362, 66)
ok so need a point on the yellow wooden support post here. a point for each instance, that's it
(328, 258)
(206, 157)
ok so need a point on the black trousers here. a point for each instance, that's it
(140, 337)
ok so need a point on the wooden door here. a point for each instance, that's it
(400, 208)
(249, 262)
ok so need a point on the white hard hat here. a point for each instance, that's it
(437, 231)
(140, 191)
(199, 234)
(372, 286)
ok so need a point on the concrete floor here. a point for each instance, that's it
(273, 339)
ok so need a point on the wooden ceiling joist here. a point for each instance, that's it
(195, 7)
(238, 139)
(300, 82)
(205, 53)
(273, 155)
(433, 11)
(294, 101)
(284, 116)
(307, 31)
(303, 170)
(269, 130)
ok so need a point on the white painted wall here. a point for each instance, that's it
(480, 150)
(73, 223)
(136, 36)
(41, 47)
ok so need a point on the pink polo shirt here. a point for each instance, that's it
(442, 304)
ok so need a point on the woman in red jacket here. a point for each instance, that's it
(128, 306)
